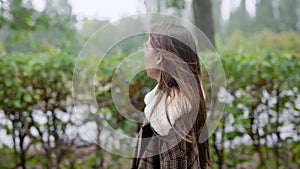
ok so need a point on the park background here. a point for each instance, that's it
(258, 42)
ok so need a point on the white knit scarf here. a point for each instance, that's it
(177, 106)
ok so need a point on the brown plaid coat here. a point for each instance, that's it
(167, 152)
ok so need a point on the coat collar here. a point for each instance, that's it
(156, 116)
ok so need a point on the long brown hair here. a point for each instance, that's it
(181, 72)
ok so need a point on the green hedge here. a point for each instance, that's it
(28, 79)
(263, 88)
(28, 83)
(265, 39)
(43, 81)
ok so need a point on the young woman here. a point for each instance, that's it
(174, 134)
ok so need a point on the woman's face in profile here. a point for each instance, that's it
(152, 61)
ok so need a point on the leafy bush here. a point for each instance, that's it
(31, 86)
(262, 111)
(261, 118)
(265, 39)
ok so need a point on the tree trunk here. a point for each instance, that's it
(219, 150)
(203, 18)
(256, 139)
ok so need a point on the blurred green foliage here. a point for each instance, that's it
(261, 117)
(28, 30)
(259, 129)
(42, 82)
(32, 86)
(266, 39)
(277, 16)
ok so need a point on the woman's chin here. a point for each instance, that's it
(151, 76)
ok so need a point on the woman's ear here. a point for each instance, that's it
(159, 58)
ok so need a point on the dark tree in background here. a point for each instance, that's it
(240, 20)
(277, 16)
(202, 11)
(203, 18)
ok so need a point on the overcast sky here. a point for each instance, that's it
(114, 9)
